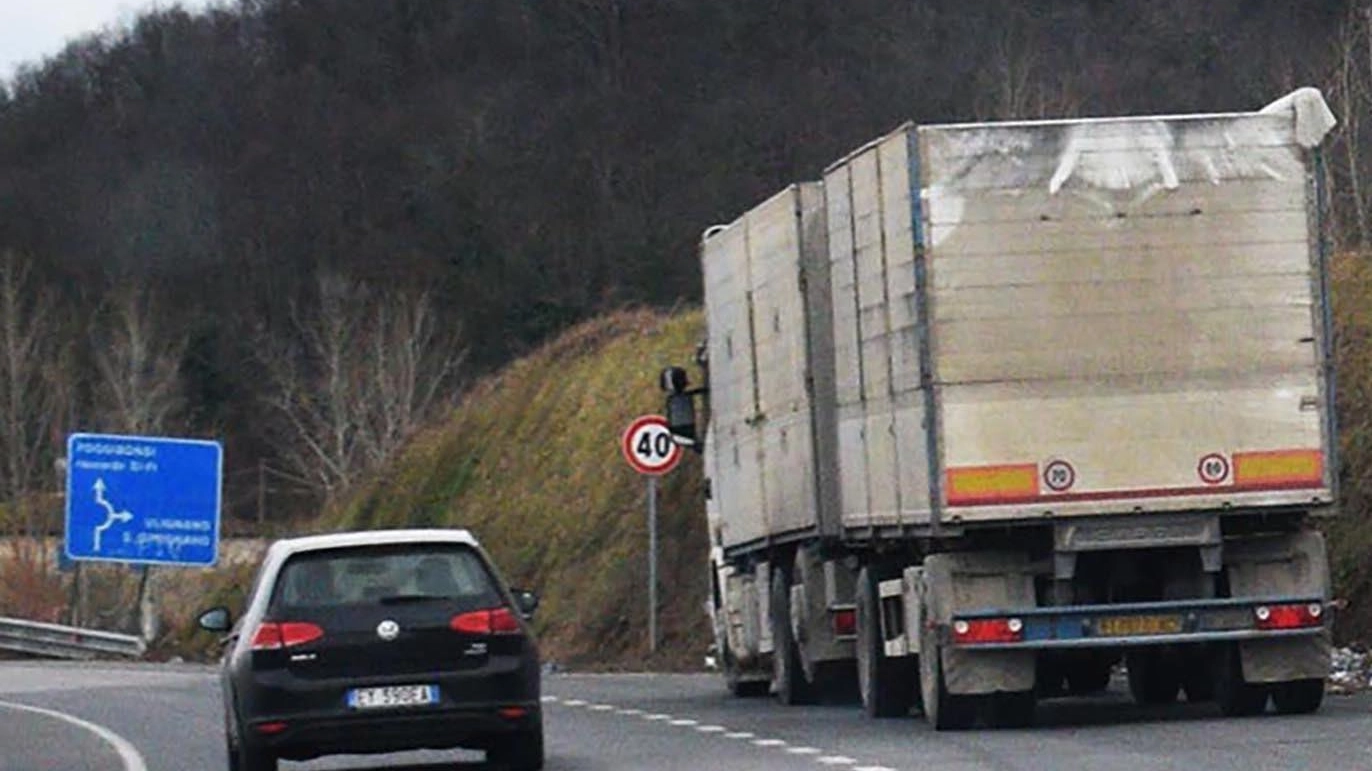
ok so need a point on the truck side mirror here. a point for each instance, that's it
(681, 418)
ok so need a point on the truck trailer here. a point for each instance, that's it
(991, 408)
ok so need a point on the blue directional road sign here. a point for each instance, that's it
(141, 499)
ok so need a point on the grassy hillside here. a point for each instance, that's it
(531, 463)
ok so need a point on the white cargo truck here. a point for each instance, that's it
(993, 407)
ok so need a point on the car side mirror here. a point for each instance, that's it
(215, 620)
(527, 602)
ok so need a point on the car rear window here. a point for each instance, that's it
(368, 575)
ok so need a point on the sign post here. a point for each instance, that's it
(143, 500)
(649, 448)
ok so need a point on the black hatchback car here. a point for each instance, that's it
(380, 641)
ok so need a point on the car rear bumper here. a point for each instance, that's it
(393, 731)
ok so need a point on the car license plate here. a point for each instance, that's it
(1131, 626)
(392, 696)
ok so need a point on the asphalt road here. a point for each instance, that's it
(60, 717)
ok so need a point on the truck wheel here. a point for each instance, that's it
(1298, 697)
(787, 673)
(733, 679)
(943, 710)
(1236, 697)
(1151, 678)
(1013, 710)
(887, 685)
(1090, 675)
(1197, 679)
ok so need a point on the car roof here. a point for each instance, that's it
(289, 546)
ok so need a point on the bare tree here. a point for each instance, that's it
(31, 357)
(359, 375)
(138, 358)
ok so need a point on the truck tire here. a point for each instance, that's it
(733, 679)
(887, 686)
(1152, 678)
(788, 675)
(1236, 697)
(1013, 710)
(943, 710)
(1089, 675)
(1197, 679)
(1298, 697)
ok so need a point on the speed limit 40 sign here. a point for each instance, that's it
(648, 445)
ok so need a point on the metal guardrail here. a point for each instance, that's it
(66, 642)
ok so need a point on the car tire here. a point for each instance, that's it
(248, 758)
(521, 752)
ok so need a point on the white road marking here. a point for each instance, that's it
(128, 755)
(548, 699)
(770, 742)
(827, 760)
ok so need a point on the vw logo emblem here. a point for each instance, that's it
(388, 630)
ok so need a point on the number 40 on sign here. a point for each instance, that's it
(649, 447)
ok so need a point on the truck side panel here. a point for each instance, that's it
(736, 486)
(762, 420)
(884, 460)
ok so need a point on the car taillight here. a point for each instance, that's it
(988, 630)
(274, 635)
(488, 621)
(845, 622)
(1288, 616)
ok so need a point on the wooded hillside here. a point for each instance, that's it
(214, 223)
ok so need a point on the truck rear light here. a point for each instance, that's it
(488, 621)
(512, 713)
(270, 729)
(987, 630)
(274, 635)
(845, 622)
(1288, 616)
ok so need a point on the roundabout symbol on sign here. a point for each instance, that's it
(1213, 468)
(1059, 475)
(648, 445)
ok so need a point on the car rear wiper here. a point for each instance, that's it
(399, 599)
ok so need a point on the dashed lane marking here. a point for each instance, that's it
(685, 721)
(803, 750)
(837, 760)
(770, 742)
(739, 735)
(711, 729)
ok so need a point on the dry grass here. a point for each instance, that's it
(531, 463)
